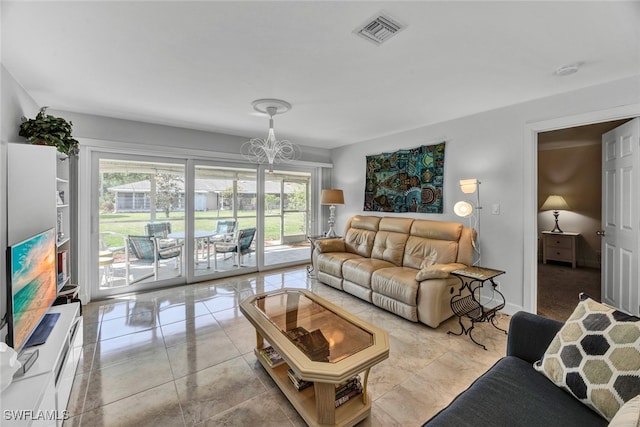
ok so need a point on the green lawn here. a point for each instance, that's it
(133, 223)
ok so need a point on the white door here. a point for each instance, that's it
(621, 216)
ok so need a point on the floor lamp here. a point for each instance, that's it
(465, 209)
(332, 197)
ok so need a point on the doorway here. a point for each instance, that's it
(569, 165)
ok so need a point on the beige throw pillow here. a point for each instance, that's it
(596, 357)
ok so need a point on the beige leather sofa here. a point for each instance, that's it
(399, 264)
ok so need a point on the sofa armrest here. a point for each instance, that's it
(330, 245)
(437, 271)
(530, 335)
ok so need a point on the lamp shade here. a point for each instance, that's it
(332, 197)
(468, 186)
(463, 208)
(555, 203)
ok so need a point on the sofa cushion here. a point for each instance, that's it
(511, 393)
(417, 248)
(331, 263)
(365, 222)
(429, 259)
(396, 224)
(596, 357)
(389, 246)
(359, 270)
(359, 241)
(437, 230)
(398, 283)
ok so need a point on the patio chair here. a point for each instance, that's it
(240, 246)
(224, 231)
(161, 231)
(158, 229)
(147, 250)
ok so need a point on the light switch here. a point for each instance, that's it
(495, 209)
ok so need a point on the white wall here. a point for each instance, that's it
(493, 147)
(16, 103)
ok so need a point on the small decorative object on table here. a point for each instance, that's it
(469, 305)
(59, 222)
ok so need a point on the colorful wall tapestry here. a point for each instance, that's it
(406, 180)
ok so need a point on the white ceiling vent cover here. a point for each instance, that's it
(379, 29)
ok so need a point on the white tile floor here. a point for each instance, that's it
(184, 357)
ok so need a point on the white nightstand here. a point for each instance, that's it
(559, 247)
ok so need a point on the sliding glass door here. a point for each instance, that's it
(161, 221)
(141, 222)
(225, 218)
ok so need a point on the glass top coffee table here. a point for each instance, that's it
(320, 342)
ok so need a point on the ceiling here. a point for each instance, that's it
(200, 65)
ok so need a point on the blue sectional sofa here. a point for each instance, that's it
(512, 393)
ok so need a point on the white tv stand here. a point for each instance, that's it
(39, 397)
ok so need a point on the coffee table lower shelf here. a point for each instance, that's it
(348, 414)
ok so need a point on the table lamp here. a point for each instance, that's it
(555, 203)
(332, 197)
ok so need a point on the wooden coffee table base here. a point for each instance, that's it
(317, 410)
(316, 405)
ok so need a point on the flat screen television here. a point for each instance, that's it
(32, 280)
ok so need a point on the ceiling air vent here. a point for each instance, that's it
(379, 29)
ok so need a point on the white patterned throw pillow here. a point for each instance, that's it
(596, 357)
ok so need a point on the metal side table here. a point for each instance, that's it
(467, 304)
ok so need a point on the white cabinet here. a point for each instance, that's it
(39, 198)
(40, 397)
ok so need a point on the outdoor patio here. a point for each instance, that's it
(113, 274)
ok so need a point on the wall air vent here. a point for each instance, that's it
(379, 29)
